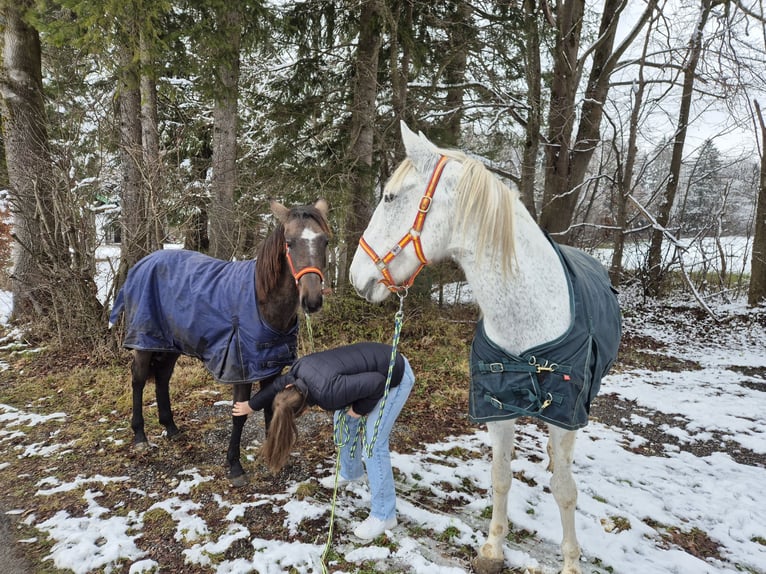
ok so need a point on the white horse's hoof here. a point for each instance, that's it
(484, 565)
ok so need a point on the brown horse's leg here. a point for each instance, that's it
(236, 472)
(141, 370)
(163, 365)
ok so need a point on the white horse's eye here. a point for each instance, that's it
(388, 198)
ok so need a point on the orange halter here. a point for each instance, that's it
(297, 275)
(412, 235)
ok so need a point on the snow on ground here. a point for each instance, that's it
(621, 493)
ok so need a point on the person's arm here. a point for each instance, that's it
(258, 401)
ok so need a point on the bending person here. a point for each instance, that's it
(351, 381)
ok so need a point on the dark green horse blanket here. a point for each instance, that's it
(555, 381)
(185, 302)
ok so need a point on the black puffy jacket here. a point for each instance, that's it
(353, 375)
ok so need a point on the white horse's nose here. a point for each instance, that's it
(366, 289)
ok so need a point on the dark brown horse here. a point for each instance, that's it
(240, 318)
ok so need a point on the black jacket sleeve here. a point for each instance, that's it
(265, 396)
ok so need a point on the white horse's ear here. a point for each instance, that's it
(419, 149)
(322, 207)
(279, 210)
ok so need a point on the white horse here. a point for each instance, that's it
(463, 212)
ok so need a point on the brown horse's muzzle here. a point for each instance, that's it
(311, 292)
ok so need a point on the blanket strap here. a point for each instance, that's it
(531, 366)
(534, 408)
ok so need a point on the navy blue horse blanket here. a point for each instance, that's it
(555, 381)
(185, 302)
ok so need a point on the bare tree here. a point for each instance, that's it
(757, 291)
(662, 218)
(625, 172)
(533, 72)
(567, 161)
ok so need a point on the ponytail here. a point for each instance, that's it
(282, 433)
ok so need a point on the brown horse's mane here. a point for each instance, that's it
(271, 258)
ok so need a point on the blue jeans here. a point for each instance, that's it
(379, 473)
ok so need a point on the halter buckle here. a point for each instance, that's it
(425, 204)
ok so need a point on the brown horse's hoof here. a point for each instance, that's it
(238, 481)
(483, 565)
(174, 436)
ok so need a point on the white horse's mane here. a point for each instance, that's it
(483, 203)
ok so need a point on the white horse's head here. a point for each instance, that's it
(468, 210)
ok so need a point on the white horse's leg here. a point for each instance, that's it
(564, 489)
(501, 434)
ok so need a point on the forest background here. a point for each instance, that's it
(151, 122)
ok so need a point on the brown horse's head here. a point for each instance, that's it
(300, 243)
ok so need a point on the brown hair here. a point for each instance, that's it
(282, 433)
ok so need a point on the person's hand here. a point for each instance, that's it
(350, 412)
(242, 408)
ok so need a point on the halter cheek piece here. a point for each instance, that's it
(306, 270)
(412, 235)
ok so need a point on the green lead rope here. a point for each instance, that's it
(309, 332)
(398, 318)
(342, 434)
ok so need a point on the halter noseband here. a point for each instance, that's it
(412, 235)
(306, 270)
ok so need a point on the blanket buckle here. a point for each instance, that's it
(495, 402)
(545, 367)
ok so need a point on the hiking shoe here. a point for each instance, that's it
(329, 481)
(373, 527)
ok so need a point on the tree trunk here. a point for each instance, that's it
(756, 294)
(136, 223)
(27, 158)
(223, 220)
(625, 174)
(655, 271)
(562, 112)
(54, 289)
(151, 148)
(399, 18)
(534, 108)
(459, 34)
(567, 167)
(360, 152)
